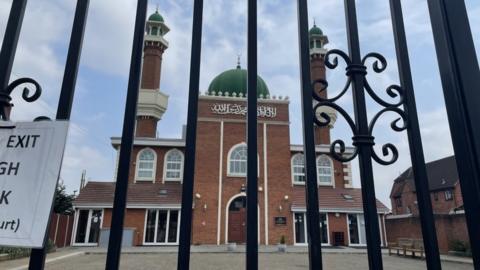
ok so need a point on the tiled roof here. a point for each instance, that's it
(441, 173)
(102, 193)
(334, 199)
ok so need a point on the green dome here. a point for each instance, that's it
(234, 81)
(156, 17)
(315, 30)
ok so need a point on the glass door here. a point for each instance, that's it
(89, 223)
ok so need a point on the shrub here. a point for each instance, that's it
(459, 246)
(282, 240)
(17, 252)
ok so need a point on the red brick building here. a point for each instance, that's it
(154, 195)
(444, 188)
(447, 205)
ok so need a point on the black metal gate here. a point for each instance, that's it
(461, 85)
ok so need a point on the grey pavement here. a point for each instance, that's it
(209, 258)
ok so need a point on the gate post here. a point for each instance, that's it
(311, 188)
(64, 108)
(121, 186)
(417, 157)
(183, 261)
(460, 76)
(252, 180)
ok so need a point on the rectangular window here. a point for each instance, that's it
(435, 196)
(398, 201)
(301, 228)
(162, 227)
(448, 195)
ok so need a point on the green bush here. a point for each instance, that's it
(16, 252)
(459, 246)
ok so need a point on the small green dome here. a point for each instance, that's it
(156, 17)
(234, 81)
(315, 30)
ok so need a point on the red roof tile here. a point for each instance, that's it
(333, 199)
(102, 193)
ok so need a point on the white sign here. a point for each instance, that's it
(30, 157)
(227, 108)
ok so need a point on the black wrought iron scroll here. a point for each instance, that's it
(322, 119)
(363, 140)
(27, 95)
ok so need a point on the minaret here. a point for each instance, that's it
(152, 103)
(317, 70)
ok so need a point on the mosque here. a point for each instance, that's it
(219, 216)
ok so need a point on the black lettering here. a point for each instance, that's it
(20, 141)
(12, 168)
(10, 141)
(12, 225)
(4, 197)
(34, 140)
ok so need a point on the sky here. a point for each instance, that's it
(103, 75)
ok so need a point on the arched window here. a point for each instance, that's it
(325, 170)
(173, 168)
(237, 160)
(298, 169)
(146, 164)
(154, 31)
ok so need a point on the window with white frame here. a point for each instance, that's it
(298, 169)
(325, 170)
(146, 163)
(161, 227)
(173, 165)
(237, 161)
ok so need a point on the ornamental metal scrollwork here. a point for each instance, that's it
(396, 92)
(27, 95)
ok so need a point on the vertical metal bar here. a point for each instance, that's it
(460, 76)
(311, 187)
(10, 41)
(415, 140)
(363, 140)
(120, 200)
(37, 256)
(252, 162)
(183, 262)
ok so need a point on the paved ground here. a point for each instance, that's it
(233, 261)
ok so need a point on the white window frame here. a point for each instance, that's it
(332, 169)
(295, 243)
(137, 166)
(450, 195)
(297, 174)
(75, 227)
(167, 179)
(229, 172)
(166, 243)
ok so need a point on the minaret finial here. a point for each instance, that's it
(157, 9)
(238, 60)
(314, 24)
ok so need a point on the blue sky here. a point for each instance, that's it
(102, 82)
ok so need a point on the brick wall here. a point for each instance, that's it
(448, 227)
(146, 127)
(439, 204)
(152, 65)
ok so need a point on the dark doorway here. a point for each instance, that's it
(237, 220)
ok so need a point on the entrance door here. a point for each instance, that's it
(88, 226)
(237, 220)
